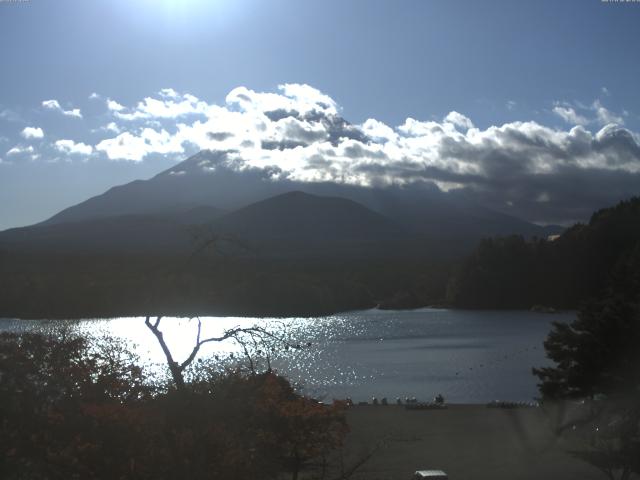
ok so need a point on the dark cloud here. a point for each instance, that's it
(281, 113)
(618, 146)
(338, 129)
(219, 136)
(569, 195)
(358, 150)
(281, 144)
(301, 131)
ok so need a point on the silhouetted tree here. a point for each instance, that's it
(596, 354)
(67, 407)
(599, 352)
(254, 339)
(72, 409)
(597, 357)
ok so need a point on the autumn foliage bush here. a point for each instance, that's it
(73, 409)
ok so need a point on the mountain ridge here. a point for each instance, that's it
(292, 224)
(209, 179)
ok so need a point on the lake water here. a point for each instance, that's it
(467, 356)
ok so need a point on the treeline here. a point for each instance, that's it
(595, 360)
(512, 272)
(508, 272)
(47, 285)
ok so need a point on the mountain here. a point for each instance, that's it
(122, 234)
(297, 248)
(292, 224)
(447, 221)
(202, 180)
(305, 254)
(298, 223)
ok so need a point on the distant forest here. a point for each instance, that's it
(502, 273)
(77, 286)
(511, 272)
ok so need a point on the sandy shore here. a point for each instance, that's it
(469, 442)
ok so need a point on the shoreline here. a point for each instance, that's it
(225, 314)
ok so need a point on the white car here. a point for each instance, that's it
(430, 474)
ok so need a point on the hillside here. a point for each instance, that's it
(449, 223)
(294, 253)
(290, 225)
(298, 224)
(124, 234)
(282, 247)
(512, 272)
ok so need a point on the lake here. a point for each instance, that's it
(467, 356)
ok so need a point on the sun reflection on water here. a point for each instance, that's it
(467, 356)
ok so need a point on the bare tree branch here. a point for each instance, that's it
(256, 334)
(174, 368)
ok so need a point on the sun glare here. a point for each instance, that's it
(173, 13)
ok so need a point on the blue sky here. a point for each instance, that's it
(507, 65)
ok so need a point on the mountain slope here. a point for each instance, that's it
(293, 224)
(298, 223)
(123, 234)
(201, 180)
(449, 220)
(308, 217)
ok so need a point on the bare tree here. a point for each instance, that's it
(246, 337)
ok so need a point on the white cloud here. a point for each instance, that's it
(127, 146)
(114, 106)
(378, 130)
(294, 98)
(300, 131)
(308, 96)
(95, 96)
(459, 120)
(112, 127)
(569, 115)
(73, 148)
(170, 106)
(19, 150)
(595, 113)
(32, 132)
(606, 116)
(169, 92)
(55, 105)
(51, 104)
